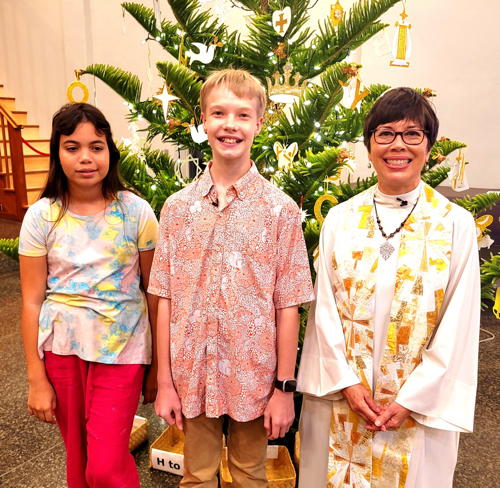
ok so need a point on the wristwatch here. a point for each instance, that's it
(287, 386)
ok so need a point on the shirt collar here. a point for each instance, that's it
(243, 187)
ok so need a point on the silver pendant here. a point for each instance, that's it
(386, 249)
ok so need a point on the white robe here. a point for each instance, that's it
(440, 391)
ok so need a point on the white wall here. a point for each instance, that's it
(455, 52)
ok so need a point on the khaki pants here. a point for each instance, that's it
(247, 448)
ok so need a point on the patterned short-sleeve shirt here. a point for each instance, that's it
(94, 306)
(226, 272)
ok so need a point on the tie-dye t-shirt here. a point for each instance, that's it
(94, 306)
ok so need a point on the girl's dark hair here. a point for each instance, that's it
(402, 104)
(64, 122)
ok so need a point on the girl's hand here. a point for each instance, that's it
(150, 384)
(168, 406)
(391, 418)
(42, 401)
(361, 401)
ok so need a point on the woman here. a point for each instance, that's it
(389, 363)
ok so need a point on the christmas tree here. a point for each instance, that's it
(303, 145)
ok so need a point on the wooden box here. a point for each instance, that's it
(167, 452)
(280, 472)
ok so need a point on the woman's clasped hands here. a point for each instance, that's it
(378, 417)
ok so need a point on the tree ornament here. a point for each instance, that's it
(458, 178)
(198, 133)
(165, 99)
(482, 223)
(336, 13)
(319, 203)
(77, 84)
(279, 50)
(353, 95)
(285, 155)
(496, 306)
(281, 20)
(284, 92)
(401, 47)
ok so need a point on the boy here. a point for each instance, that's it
(230, 269)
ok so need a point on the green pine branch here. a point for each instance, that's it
(185, 84)
(490, 279)
(435, 176)
(126, 84)
(333, 44)
(479, 203)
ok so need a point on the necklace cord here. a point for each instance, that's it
(401, 225)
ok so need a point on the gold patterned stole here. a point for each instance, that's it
(359, 458)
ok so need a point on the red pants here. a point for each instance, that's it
(95, 410)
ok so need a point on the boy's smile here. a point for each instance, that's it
(231, 123)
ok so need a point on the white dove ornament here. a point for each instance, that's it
(205, 54)
(285, 155)
(198, 133)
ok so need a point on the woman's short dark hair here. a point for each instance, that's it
(64, 122)
(402, 104)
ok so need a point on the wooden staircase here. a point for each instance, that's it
(23, 169)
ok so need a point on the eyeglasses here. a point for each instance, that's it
(412, 137)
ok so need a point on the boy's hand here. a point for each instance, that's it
(168, 406)
(42, 401)
(150, 384)
(279, 414)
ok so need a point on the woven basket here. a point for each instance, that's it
(139, 432)
(280, 472)
(171, 440)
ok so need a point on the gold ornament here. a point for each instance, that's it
(358, 94)
(77, 84)
(496, 306)
(279, 50)
(319, 202)
(336, 13)
(401, 47)
(284, 92)
(428, 93)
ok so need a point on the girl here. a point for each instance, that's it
(85, 253)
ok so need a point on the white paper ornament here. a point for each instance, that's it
(165, 99)
(198, 133)
(205, 55)
(281, 20)
(285, 155)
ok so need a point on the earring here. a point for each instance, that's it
(369, 164)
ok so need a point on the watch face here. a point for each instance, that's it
(290, 385)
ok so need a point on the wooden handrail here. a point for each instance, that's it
(14, 197)
(8, 115)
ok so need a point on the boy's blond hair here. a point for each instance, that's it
(240, 82)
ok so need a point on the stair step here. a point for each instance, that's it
(33, 194)
(36, 179)
(8, 102)
(42, 145)
(36, 163)
(21, 116)
(30, 132)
